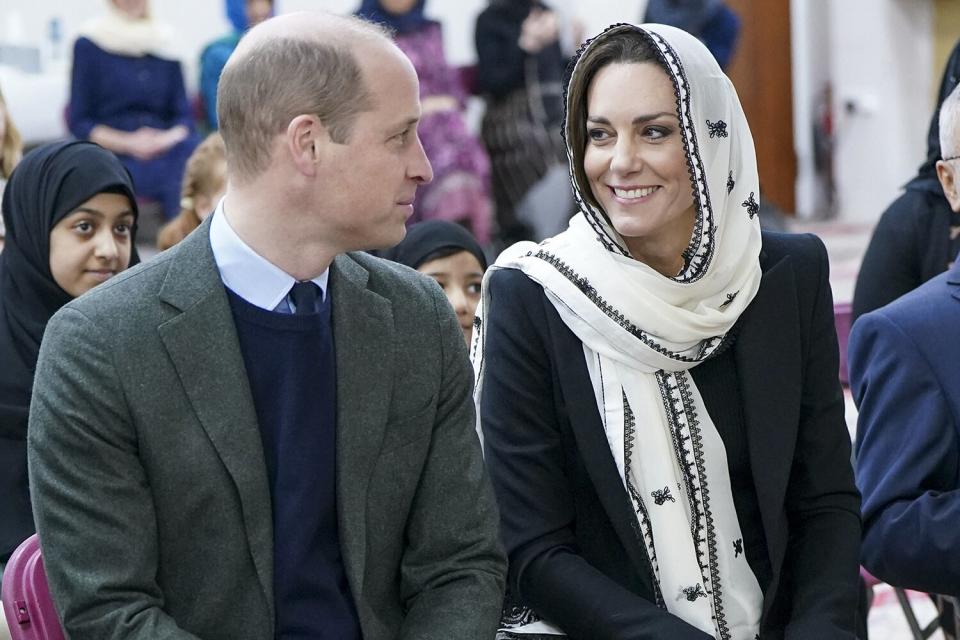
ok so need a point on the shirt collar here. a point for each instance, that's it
(247, 273)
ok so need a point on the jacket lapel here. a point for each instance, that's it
(363, 344)
(954, 279)
(591, 439)
(202, 343)
(767, 353)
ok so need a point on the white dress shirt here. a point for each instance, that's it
(250, 275)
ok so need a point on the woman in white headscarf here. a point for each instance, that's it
(657, 386)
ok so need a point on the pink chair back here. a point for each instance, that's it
(26, 597)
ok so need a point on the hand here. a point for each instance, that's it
(539, 29)
(147, 143)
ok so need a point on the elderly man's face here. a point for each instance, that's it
(375, 175)
(948, 171)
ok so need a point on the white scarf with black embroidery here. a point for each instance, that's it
(642, 332)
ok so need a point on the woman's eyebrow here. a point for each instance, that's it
(637, 120)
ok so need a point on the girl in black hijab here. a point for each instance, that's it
(70, 215)
(446, 252)
(918, 236)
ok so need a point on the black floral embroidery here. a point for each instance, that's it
(661, 496)
(693, 593)
(730, 298)
(730, 182)
(718, 129)
(751, 205)
(738, 547)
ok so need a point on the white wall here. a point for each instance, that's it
(877, 54)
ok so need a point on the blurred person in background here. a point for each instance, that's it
(460, 190)
(450, 255)
(712, 21)
(70, 215)
(127, 94)
(11, 150)
(204, 183)
(918, 236)
(520, 66)
(242, 14)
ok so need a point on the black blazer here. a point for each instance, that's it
(568, 525)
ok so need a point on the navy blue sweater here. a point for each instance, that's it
(290, 365)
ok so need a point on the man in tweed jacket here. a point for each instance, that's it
(163, 506)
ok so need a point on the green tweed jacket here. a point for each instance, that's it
(148, 480)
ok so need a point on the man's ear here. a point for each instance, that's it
(948, 180)
(307, 140)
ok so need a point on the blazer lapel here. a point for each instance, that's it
(363, 344)
(767, 354)
(202, 343)
(954, 279)
(591, 439)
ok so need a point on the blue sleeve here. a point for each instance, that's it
(907, 459)
(720, 35)
(82, 110)
(212, 62)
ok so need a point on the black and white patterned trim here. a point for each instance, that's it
(643, 517)
(703, 241)
(705, 349)
(688, 446)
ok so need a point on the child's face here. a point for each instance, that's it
(92, 244)
(460, 276)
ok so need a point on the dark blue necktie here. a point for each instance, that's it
(305, 296)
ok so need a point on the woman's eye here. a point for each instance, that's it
(122, 229)
(474, 288)
(657, 133)
(83, 226)
(597, 135)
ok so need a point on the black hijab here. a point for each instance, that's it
(926, 178)
(49, 183)
(432, 239)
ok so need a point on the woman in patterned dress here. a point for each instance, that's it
(460, 190)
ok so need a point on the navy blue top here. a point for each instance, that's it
(126, 93)
(291, 368)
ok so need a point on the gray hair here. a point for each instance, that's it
(276, 79)
(950, 125)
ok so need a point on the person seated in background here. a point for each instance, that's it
(446, 252)
(11, 149)
(520, 66)
(127, 94)
(918, 236)
(712, 21)
(243, 14)
(460, 191)
(70, 215)
(204, 183)
(905, 380)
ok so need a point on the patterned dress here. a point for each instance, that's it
(460, 189)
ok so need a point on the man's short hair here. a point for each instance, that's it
(950, 125)
(278, 79)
